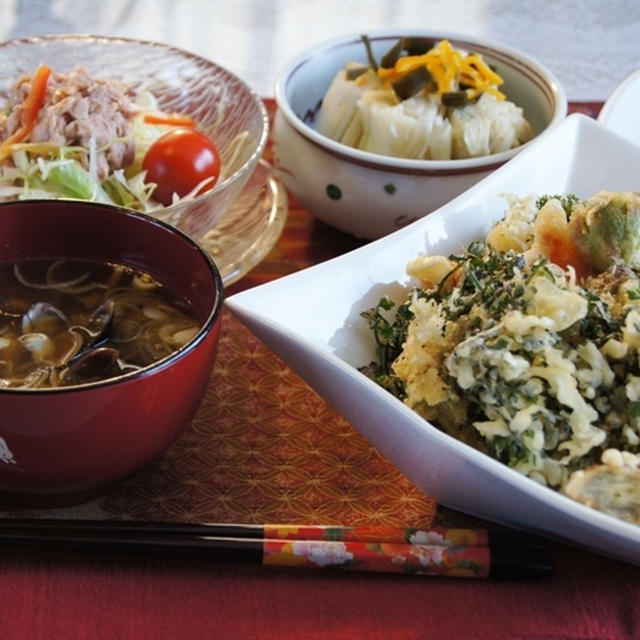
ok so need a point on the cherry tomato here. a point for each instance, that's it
(178, 160)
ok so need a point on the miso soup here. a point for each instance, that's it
(69, 322)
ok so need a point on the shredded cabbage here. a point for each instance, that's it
(50, 171)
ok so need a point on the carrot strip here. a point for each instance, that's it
(35, 99)
(175, 119)
(30, 109)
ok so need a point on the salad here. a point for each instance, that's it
(527, 345)
(423, 100)
(73, 135)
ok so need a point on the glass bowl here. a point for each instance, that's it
(222, 105)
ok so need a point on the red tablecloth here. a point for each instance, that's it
(72, 595)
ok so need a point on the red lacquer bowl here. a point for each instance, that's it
(66, 445)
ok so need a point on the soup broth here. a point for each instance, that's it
(69, 322)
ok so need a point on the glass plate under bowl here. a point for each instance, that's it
(250, 227)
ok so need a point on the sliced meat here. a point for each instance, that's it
(77, 108)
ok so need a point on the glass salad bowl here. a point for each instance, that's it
(164, 80)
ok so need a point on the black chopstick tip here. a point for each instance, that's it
(513, 562)
(516, 538)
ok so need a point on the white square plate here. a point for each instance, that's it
(311, 320)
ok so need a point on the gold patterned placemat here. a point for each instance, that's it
(263, 448)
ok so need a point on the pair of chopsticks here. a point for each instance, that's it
(478, 553)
